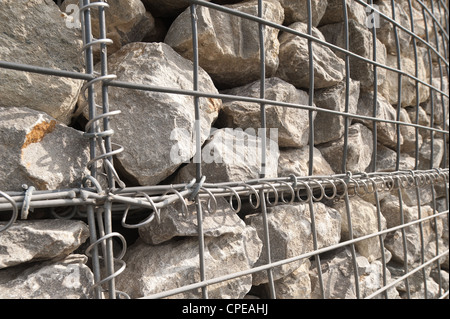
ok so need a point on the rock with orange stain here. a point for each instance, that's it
(38, 151)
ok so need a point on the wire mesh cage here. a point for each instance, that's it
(367, 94)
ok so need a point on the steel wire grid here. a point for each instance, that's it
(100, 204)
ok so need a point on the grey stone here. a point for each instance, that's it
(408, 134)
(54, 46)
(360, 43)
(296, 11)
(364, 221)
(291, 235)
(386, 132)
(386, 160)
(233, 155)
(425, 160)
(292, 123)
(335, 13)
(39, 151)
(359, 150)
(329, 127)
(36, 240)
(69, 278)
(126, 21)
(175, 223)
(294, 60)
(296, 161)
(440, 102)
(223, 255)
(156, 145)
(228, 45)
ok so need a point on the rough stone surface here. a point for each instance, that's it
(329, 127)
(425, 160)
(175, 223)
(25, 40)
(359, 150)
(233, 155)
(335, 13)
(361, 43)
(386, 160)
(339, 279)
(364, 221)
(292, 123)
(36, 240)
(228, 45)
(69, 278)
(150, 160)
(296, 11)
(223, 255)
(440, 102)
(294, 60)
(386, 132)
(126, 21)
(296, 161)
(40, 151)
(291, 235)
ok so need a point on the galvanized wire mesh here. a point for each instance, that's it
(100, 204)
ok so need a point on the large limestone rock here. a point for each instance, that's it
(386, 160)
(296, 161)
(69, 278)
(359, 150)
(440, 102)
(292, 123)
(329, 127)
(291, 235)
(294, 60)
(152, 269)
(34, 33)
(339, 279)
(334, 12)
(233, 155)
(39, 151)
(386, 132)
(174, 223)
(126, 21)
(361, 43)
(364, 221)
(36, 240)
(228, 45)
(296, 11)
(156, 129)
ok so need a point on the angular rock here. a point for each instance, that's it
(226, 254)
(329, 127)
(390, 208)
(339, 279)
(359, 150)
(156, 129)
(389, 88)
(440, 102)
(294, 60)
(174, 223)
(166, 8)
(364, 221)
(386, 132)
(425, 160)
(69, 278)
(292, 123)
(361, 43)
(423, 119)
(126, 21)
(335, 12)
(24, 40)
(36, 240)
(296, 161)
(291, 235)
(233, 155)
(296, 11)
(386, 160)
(229, 45)
(40, 151)
(385, 31)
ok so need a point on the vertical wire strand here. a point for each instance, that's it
(262, 94)
(347, 87)
(403, 231)
(198, 170)
(381, 240)
(375, 97)
(311, 92)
